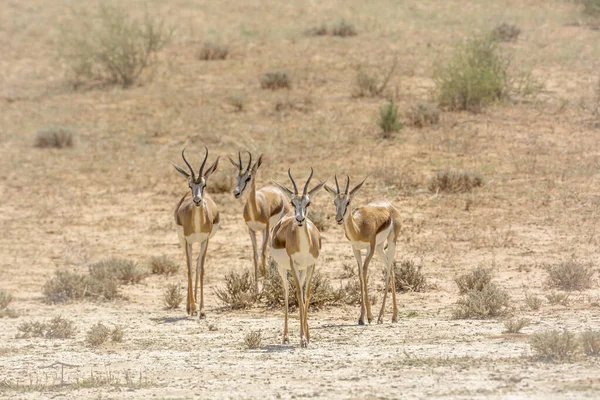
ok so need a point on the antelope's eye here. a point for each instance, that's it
(307, 204)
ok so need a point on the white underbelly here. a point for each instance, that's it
(256, 226)
(214, 230)
(383, 235)
(301, 261)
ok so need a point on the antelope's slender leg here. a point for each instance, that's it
(201, 268)
(391, 253)
(299, 296)
(357, 255)
(365, 268)
(284, 282)
(191, 305)
(254, 257)
(388, 265)
(263, 258)
(310, 271)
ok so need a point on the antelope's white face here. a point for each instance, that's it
(244, 178)
(342, 199)
(197, 184)
(300, 202)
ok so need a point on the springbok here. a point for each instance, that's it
(263, 209)
(197, 220)
(295, 246)
(369, 227)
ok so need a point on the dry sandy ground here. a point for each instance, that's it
(112, 195)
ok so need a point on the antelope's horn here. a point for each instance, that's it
(347, 184)
(308, 181)
(188, 164)
(203, 162)
(293, 182)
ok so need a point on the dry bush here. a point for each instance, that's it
(590, 342)
(570, 275)
(123, 270)
(275, 80)
(533, 302)
(506, 32)
(253, 340)
(55, 137)
(113, 47)
(163, 265)
(389, 120)
(65, 286)
(368, 85)
(475, 77)
(515, 325)
(477, 279)
(220, 182)
(173, 296)
(320, 219)
(451, 181)
(237, 102)
(5, 299)
(317, 31)
(489, 302)
(591, 7)
(56, 328)
(239, 292)
(303, 104)
(343, 29)
(555, 298)
(97, 334)
(423, 114)
(117, 334)
(409, 277)
(400, 178)
(211, 51)
(554, 345)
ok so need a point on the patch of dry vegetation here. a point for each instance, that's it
(452, 181)
(5, 300)
(515, 325)
(556, 298)
(476, 279)
(239, 292)
(570, 275)
(590, 342)
(555, 345)
(125, 271)
(490, 302)
(320, 219)
(275, 80)
(220, 182)
(505, 32)
(591, 7)
(253, 340)
(55, 138)
(212, 51)
(533, 302)
(372, 85)
(99, 333)
(423, 114)
(173, 296)
(408, 277)
(163, 265)
(389, 120)
(343, 29)
(56, 328)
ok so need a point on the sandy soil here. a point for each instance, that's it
(113, 193)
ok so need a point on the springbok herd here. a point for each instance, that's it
(281, 215)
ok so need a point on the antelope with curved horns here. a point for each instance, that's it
(295, 246)
(369, 227)
(197, 220)
(263, 208)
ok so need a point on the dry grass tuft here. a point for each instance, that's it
(451, 181)
(554, 345)
(237, 102)
(409, 277)
(506, 32)
(570, 275)
(533, 302)
(65, 286)
(125, 271)
(275, 80)
(389, 120)
(477, 279)
(368, 85)
(423, 114)
(99, 333)
(490, 302)
(320, 219)
(220, 182)
(56, 328)
(590, 342)
(515, 325)
(5, 299)
(211, 51)
(253, 340)
(239, 292)
(317, 31)
(343, 29)
(117, 334)
(555, 298)
(56, 137)
(173, 296)
(591, 7)
(163, 265)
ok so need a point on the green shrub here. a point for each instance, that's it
(112, 47)
(475, 77)
(389, 121)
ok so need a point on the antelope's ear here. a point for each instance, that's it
(287, 192)
(212, 168)
(357, 187)
(238, 166)
(331, 190)
(181, 170)
(313, 192)
(257, 164)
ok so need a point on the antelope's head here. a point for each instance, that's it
(300, 202)
(244, 178)
(342, 199)
(197, 183)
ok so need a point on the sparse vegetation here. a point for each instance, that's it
(173, 296)
(112, 47)
(389, 121)
(505, 32)
(5, 300)
(591, 7)
(163, 265)
(555, 298)
(409, 277)
(253, 340)
(99, 333)
(489, 302)
(321, 30)
(477, 279)
(590, 342)
(237, 102)
(320, 219)
(570, 275)
(368, 85)
(55, 137)
(211, 51)
(220, 182)
(423, 114)
(239, 291)
(275, 80)
(515, 325)
(56, 328)
(452, 181)
(533, 302)
(125, 271)
(65, 286)
(475, 77)
(343, 29)
(554, 345)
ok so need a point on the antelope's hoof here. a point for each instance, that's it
(303, 343)
(361, 322)
(286, 340)
(380, 320)
(201, 315)
(370, 320)
(394, 320)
